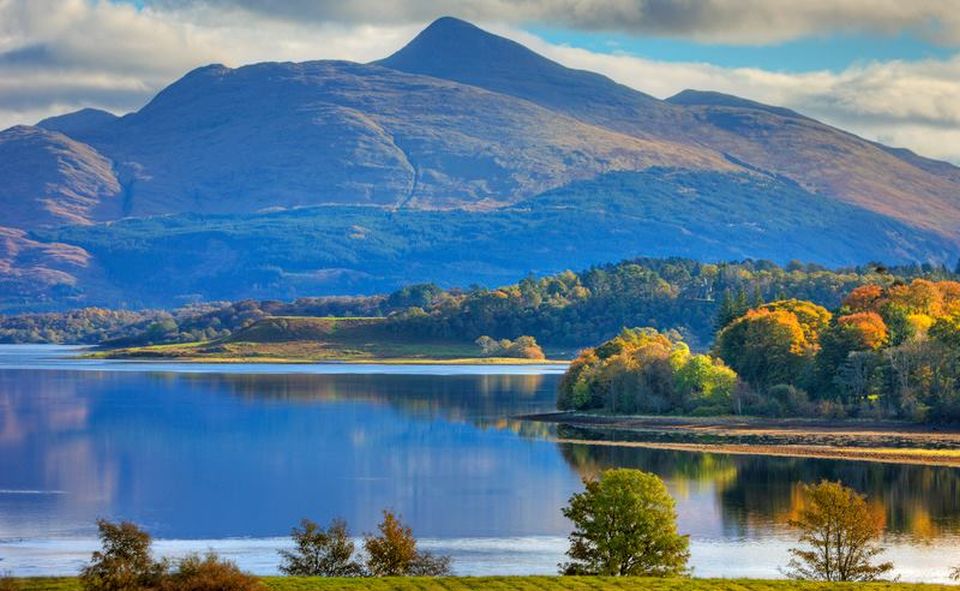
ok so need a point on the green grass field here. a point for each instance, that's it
(524, 584)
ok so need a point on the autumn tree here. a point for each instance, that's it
(320, 552)
(765, 347)
(124, 562)
(644, 370)
(839, 532)
(625, 523)
(394, 553)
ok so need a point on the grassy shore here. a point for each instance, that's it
(526, 584)
(318, 340)
(874, 441)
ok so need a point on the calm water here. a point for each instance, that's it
(230, 457)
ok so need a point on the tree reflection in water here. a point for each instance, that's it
(762, 493)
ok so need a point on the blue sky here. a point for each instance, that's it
(833, 52)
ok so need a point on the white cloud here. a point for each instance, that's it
(59, 55)
(903, 104)
(731, 21)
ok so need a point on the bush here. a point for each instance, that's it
(7, 583)
(321, 552)
(208, 573)
(124, 562)
(394, 553)
(524, 347)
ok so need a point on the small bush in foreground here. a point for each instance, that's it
(625, 524)
(394, 553)
(7, 583)
(124, 562)
(208, 573)
(321, 552)
(841, 532)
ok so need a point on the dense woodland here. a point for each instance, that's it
(887, 351)
(565, 311)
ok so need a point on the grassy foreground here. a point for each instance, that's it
(524, 584)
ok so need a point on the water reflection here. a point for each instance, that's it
(220, 455)
(758, 495)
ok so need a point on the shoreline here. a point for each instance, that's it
(916, 457)
(505, 361)
(851, 440)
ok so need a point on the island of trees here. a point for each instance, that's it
(886, 351)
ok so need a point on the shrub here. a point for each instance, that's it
(321, 552)
(394, 553)
(208, 573)
(124, 562)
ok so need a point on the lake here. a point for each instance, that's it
(231, 456)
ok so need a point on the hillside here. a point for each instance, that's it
(301, 339)
(462, 158)
(50, 179)
(353, 250)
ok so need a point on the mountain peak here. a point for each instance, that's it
(453, 49)
(78, 123)
(450, 45)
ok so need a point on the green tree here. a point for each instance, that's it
(320, 552)
(840, 532)
(625, 523)
(394, 553)
(124, 562)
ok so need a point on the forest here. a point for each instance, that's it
(563, 312)
(886, 351)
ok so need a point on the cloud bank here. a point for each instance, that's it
(729, 21)
(60, 55)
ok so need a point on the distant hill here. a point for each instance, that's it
(464, 157)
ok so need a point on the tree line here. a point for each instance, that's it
(888, 350)
(564, 310)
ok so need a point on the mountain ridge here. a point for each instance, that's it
(459, 122)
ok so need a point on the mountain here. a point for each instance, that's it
(48, 178)
(79, 122)
(37, 274)
(463, 157)
(819, 157)
(223, 140)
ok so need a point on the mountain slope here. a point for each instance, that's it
(47, 178)
(343, 250)
(819, 157)
(224, 140)
(34, 275)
